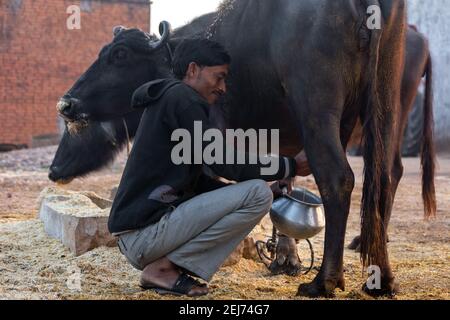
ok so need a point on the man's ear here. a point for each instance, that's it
(193, 70)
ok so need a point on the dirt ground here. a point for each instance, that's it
(34, 266)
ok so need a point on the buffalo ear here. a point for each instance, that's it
(117, 30)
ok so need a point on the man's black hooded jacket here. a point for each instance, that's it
(151, 183)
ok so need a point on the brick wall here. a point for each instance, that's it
(40, 58)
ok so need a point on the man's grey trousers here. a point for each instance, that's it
(202, 232)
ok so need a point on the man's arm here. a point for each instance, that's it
(286, 167)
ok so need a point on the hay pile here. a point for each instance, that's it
(34, 266)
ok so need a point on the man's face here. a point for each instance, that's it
(209, 82)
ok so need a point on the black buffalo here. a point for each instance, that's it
(310, 68)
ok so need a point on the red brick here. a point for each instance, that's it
(41, 59)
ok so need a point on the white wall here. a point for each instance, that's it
(179, 12)
(433, 19)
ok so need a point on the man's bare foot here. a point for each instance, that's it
(163, 274)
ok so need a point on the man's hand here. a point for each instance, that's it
(277, 187)
(303, 169)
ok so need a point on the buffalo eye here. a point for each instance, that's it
(119, 55)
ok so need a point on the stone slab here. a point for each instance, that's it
(78, 220)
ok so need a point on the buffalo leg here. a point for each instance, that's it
(286, 260)
(397, 174)
(286, 255)
(390, 177)
(335, 180)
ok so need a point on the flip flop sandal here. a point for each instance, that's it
(182, 286)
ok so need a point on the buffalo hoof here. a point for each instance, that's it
(288, 267)
(318, 288)
(389, 290)
(287, 260)
(355, 244)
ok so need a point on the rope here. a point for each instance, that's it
(224, 9)
(271, 245)
(128, 136)
(311, 266)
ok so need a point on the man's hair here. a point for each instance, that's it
(204, 52)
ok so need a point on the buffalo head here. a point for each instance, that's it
(91, 148)
(104, 91)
